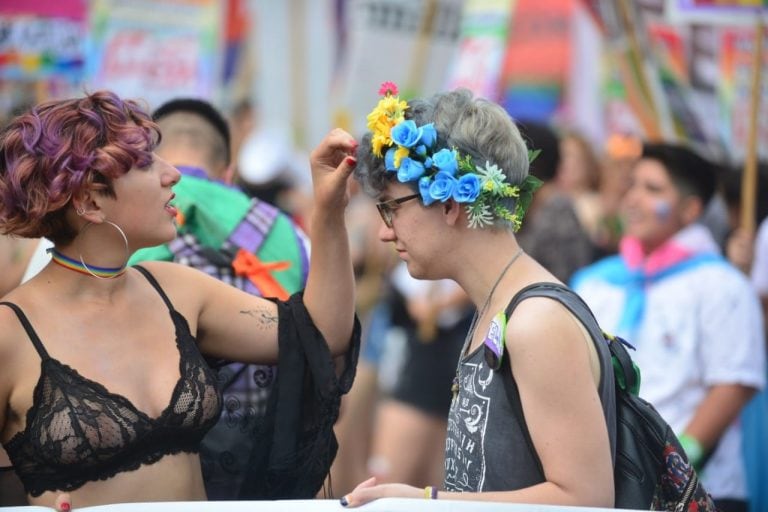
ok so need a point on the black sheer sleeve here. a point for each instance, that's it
(294, 443)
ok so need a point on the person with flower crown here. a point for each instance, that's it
(451, 176)
(104, 390)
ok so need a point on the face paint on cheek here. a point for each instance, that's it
(662, 209)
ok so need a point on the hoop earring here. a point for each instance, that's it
(107, 273)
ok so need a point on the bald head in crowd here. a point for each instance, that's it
(195, 134)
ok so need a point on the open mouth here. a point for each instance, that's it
(170, 208)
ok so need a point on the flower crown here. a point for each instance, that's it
(444, 173)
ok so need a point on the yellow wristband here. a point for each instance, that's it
(430, 492)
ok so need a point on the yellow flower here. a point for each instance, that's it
(377, 143)
(400, 153)
(389, 112)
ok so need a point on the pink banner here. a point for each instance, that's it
(73, 9)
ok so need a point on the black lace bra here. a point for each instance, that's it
(78, 432)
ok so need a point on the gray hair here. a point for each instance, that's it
(473, 126)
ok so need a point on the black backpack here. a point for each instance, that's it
(651, 469)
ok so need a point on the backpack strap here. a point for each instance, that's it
(606, 386)
(625, 370)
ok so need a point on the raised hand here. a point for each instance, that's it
(332, 162)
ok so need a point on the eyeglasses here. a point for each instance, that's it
(386, 208)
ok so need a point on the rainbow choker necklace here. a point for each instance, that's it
(80, 266)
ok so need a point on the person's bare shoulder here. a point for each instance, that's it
(538, 320)
(177, 276)
(11, 336)
(185, 286)
(544, 332)
(11, 329)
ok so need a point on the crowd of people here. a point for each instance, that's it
(122, 229)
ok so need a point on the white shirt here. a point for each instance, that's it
(701, 327)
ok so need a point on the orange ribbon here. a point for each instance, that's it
(260, 273)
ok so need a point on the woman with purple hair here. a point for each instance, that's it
(104, 392)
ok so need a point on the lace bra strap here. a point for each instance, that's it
(28, 328)
(155, 285)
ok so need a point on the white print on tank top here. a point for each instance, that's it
(465, 442)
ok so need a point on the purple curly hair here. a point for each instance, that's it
(61, 148)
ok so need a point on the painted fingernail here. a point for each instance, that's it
(65, 506)
(344, 502)
(351, 160)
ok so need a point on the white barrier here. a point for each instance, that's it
(382, 505)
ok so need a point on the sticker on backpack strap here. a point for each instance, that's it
(494, 341)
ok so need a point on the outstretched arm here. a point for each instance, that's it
(241, 327)
(329, 294)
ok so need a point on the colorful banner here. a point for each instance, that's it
(642, 78)
(237, 25)
(156, 49)
(37, 47)
(717, 12)
(409, 43)
(583, 102)
(71, 9)
(672, 59)
(735, 88)
(484, 28)
(670, 47)
(537, 60)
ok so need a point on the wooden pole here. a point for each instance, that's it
(415, 79)
(644, 82)
(749, 178)
(297, 17)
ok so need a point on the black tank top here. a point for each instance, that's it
(78, 432)
(486, 447)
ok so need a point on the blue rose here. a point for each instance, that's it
(389, 159)
(406, 134)
(445, 160)
(428, 135)
(410, 170)
(424, 184)
(421, 150)
(442, 188)
(467, 189)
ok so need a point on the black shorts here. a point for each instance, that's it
(426, 370)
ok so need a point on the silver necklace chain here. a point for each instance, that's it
(476, 317)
